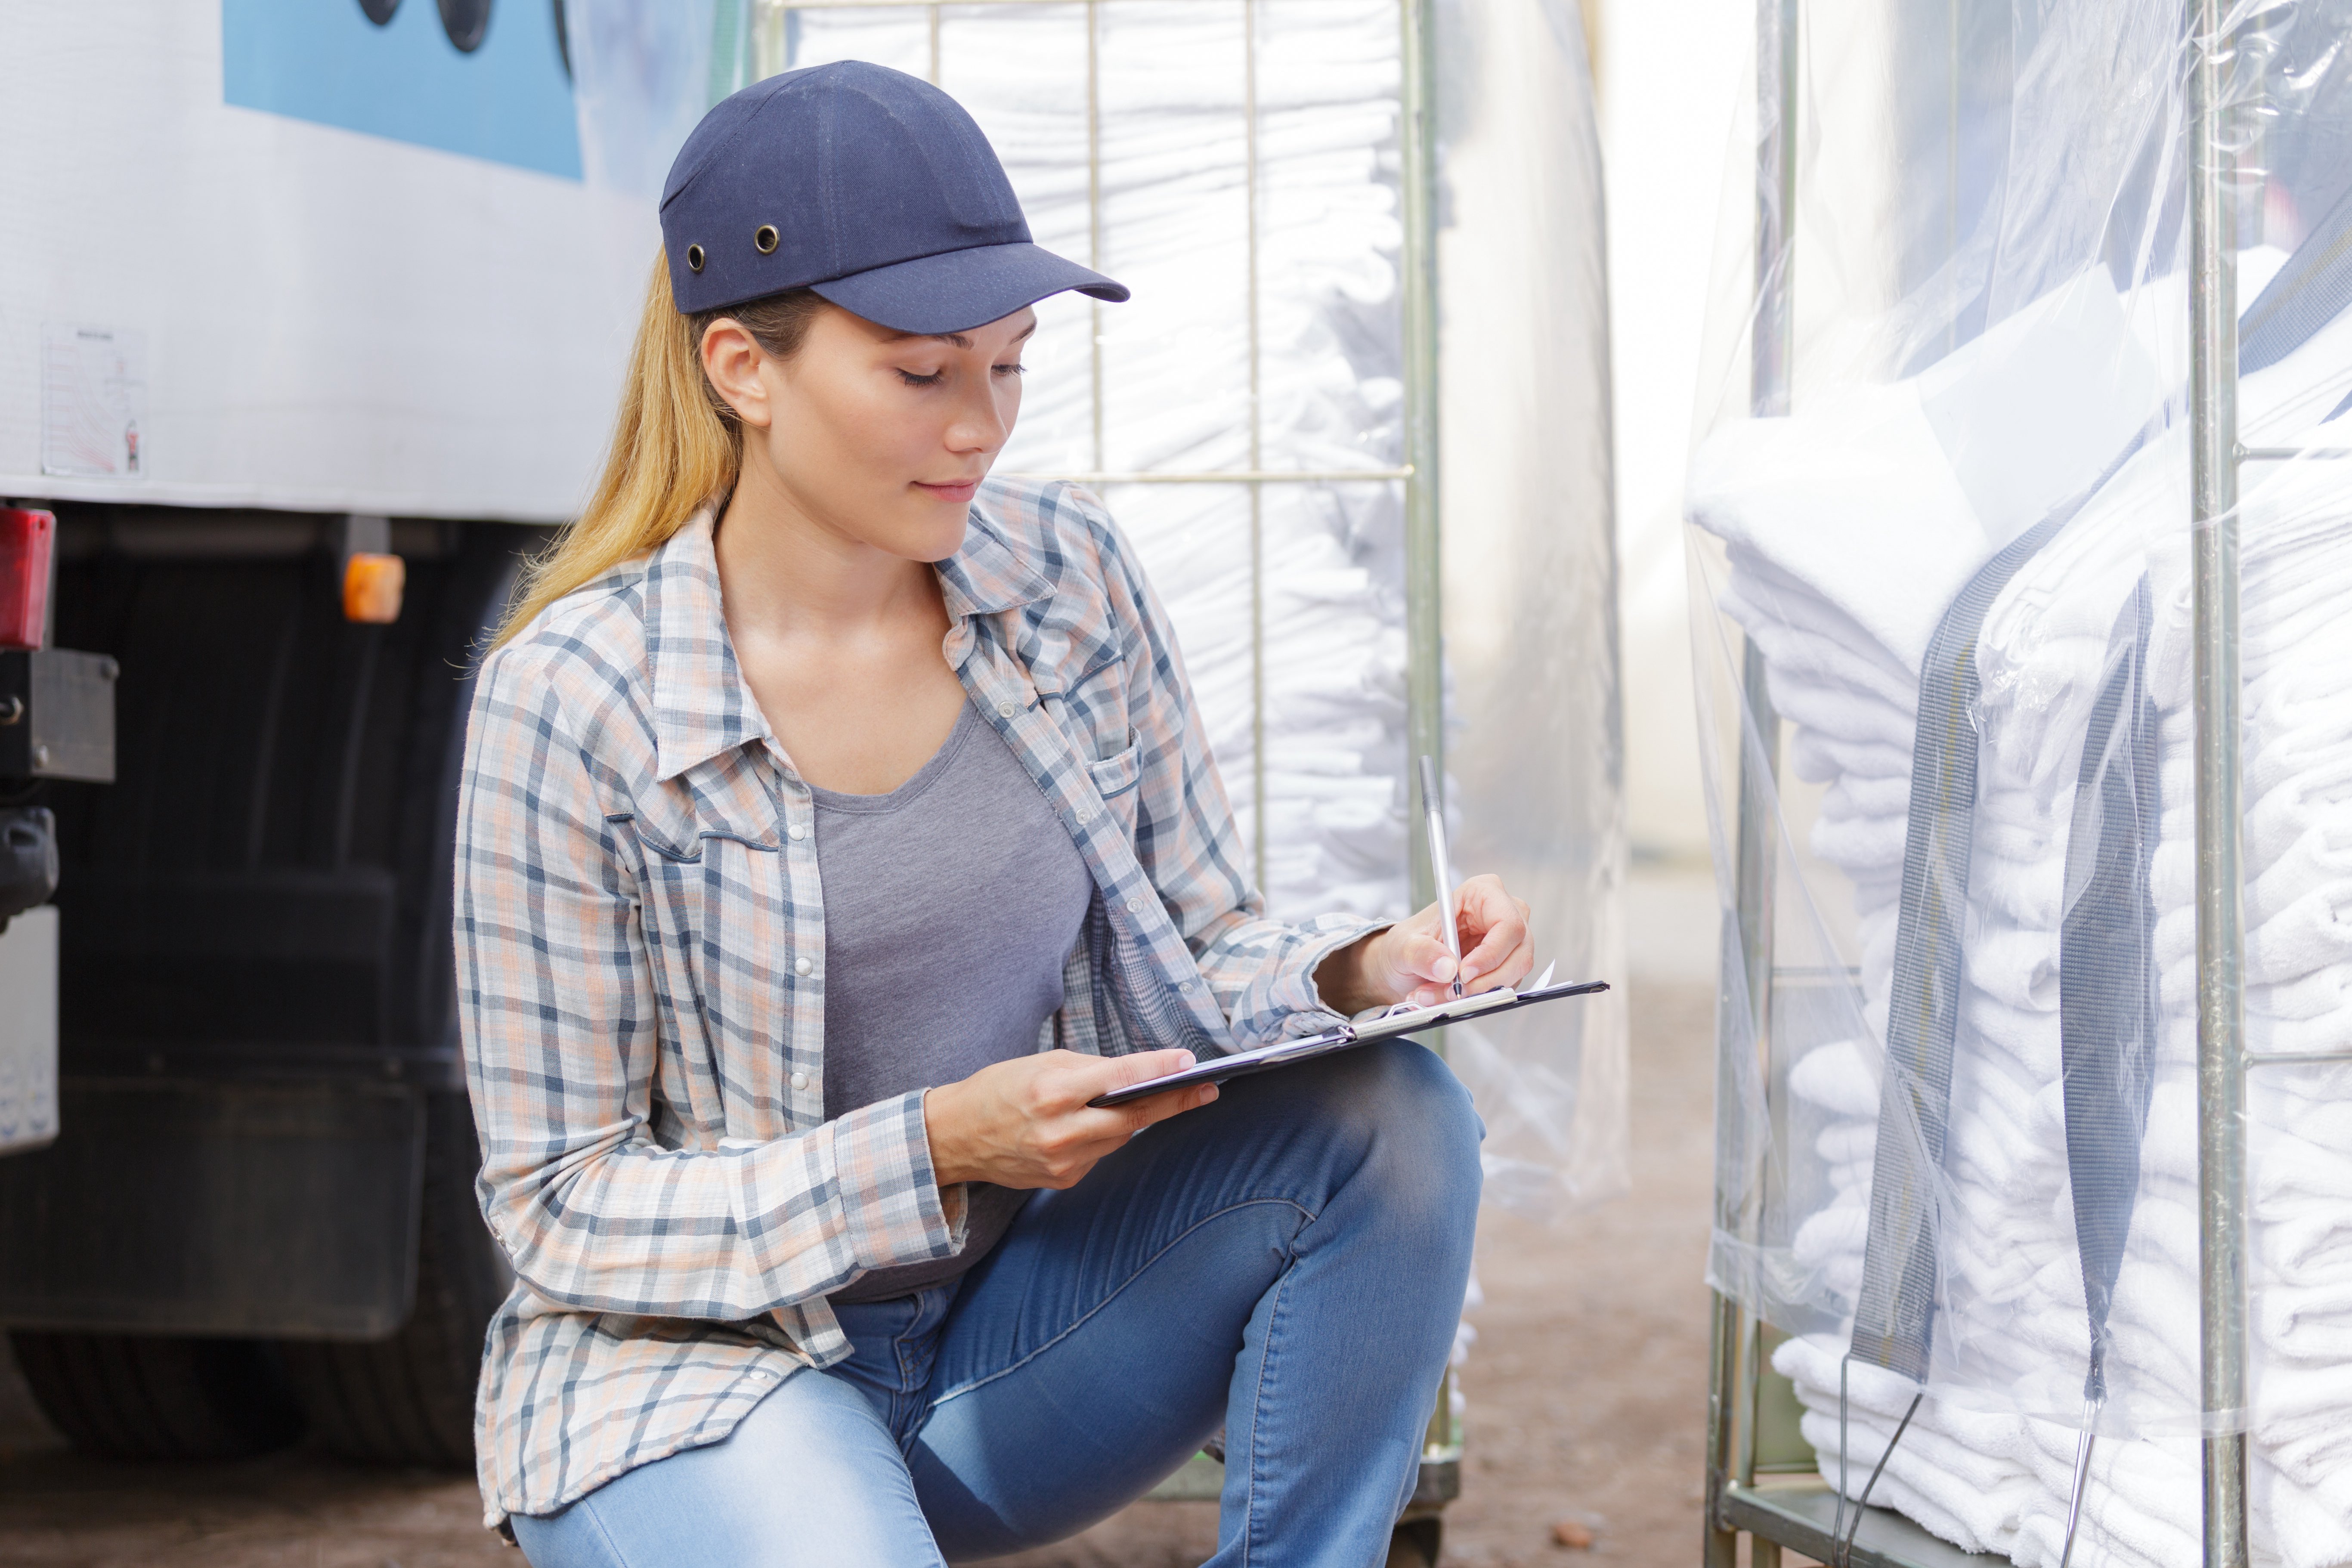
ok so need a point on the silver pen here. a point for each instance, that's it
(1433, 815)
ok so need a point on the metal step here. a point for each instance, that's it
(1799, 1517)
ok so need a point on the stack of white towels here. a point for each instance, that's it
(1176, 387)
(1848, 529)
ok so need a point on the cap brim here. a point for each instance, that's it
(956, 291)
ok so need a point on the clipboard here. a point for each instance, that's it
(1398, 1020)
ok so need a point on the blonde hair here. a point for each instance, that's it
(676, 445)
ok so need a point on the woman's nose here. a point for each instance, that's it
(983, 423)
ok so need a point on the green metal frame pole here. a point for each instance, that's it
(1424, 701)
(767, 38)
(1256, 449)
(1424, 720)
(2221, 905)
(1731, 1402)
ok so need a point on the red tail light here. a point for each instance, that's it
(26, 538)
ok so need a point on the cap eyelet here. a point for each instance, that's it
(694, 258)
(763, 239)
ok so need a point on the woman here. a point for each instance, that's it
(835, 826)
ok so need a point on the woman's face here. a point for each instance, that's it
(876, 435)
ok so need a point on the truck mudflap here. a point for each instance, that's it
(286, 1210)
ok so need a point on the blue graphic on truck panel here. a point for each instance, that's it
(508, 100)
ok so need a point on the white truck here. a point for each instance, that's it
(288, 288)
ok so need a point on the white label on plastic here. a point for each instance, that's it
(2032, 411)
(93, 402)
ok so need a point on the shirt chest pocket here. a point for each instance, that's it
(733, 955)
(1115, 779)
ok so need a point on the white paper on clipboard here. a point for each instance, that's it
(1399, 1020)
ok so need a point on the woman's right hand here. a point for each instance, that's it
(1025, 1123)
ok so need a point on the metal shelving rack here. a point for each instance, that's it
(1440, 1478)
(1796, 1511)
(1417, 474)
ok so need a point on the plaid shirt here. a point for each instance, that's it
(641, 956)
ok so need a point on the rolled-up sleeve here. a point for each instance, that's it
(564, 1042)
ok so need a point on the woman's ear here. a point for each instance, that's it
(732, 358)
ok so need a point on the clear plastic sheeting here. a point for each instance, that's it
(1535, 745)
(1287, 597)
(1242, 166)
(1941, 552)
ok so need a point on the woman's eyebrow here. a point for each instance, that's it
(957, 339)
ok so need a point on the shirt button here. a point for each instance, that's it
(796, 833)
(1008, 710)
(800, 1080)
(1085, 814)
(1134, 905)
(803, 966)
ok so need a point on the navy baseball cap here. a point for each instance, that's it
(868, 186)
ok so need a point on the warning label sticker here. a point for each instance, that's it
(93, 402)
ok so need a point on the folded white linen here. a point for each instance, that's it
(1844, 715)
(1762, 588)
(1853, 497)
(1817, 758)
(1841, 1077)
(1852, 796)
(1858, 843)
(2011, 1331)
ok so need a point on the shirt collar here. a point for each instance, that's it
(986, 575)
(703, 707)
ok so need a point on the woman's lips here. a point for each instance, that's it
(961, 490)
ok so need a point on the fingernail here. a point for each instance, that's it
(1445, 966)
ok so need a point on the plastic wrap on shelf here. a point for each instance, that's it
(1941, 592)
(1536, 742)
(1266, 335)
(1295, 642)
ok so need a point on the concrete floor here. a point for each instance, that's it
(1585, 1393)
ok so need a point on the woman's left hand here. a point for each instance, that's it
(1409, 962)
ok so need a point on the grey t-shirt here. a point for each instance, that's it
(949, 906)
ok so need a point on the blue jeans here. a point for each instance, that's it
(1287, 1263)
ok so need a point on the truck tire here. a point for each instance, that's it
(409, 1399)
(132, 1396)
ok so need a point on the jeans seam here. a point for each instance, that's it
(1081, 1321)
(619, 1557)
(903, 1396)
(1257, 1409)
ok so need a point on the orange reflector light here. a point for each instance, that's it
(371, 588)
